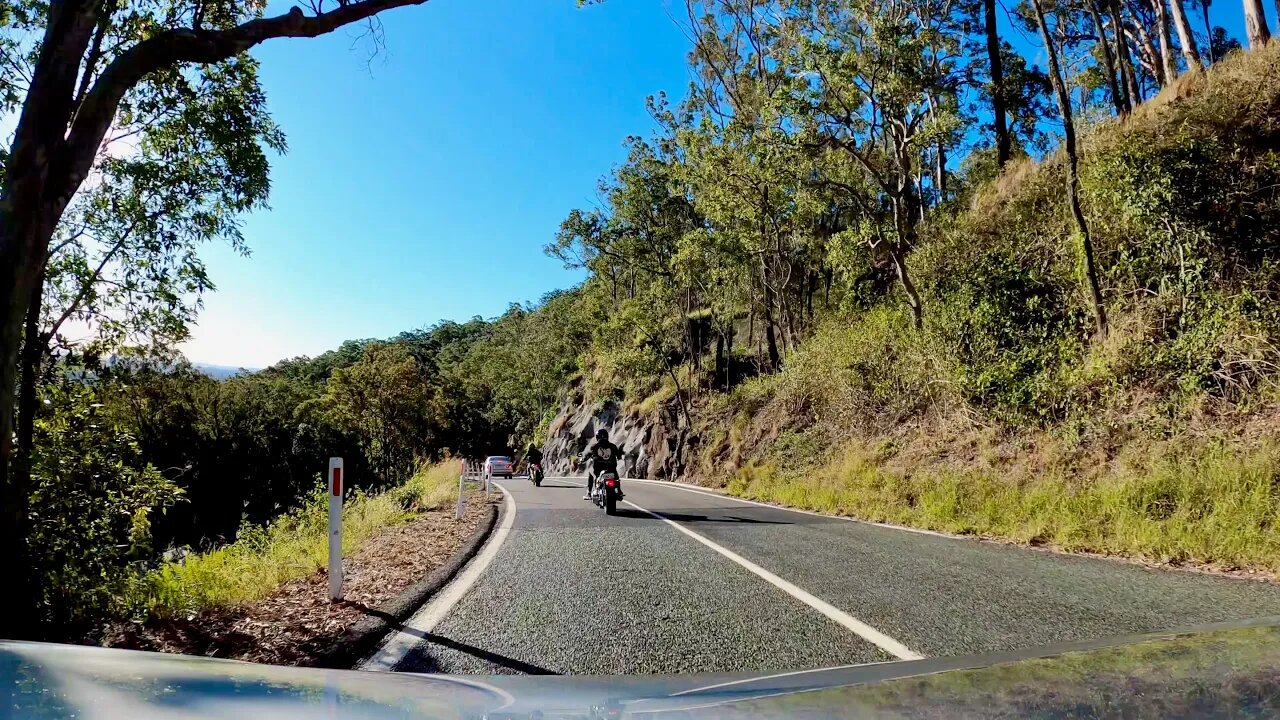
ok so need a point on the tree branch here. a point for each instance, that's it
(181, 45)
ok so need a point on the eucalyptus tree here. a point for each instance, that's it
(881, 76)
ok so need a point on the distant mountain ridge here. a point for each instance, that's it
(222, 372)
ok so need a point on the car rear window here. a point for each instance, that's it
(499, 458)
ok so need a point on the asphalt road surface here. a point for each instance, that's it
(685, 581)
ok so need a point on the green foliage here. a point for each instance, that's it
(383, 400)
(263, 558)
(93, 505)
(1009, 327)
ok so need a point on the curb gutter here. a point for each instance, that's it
(359, 639)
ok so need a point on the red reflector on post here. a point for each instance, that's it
(337, 481)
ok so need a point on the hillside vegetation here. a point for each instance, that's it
(1005, 417)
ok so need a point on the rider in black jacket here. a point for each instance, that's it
(604, 456)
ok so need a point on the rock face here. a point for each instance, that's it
(652, 445)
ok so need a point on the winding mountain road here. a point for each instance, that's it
(685, 580)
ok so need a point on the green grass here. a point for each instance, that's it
(1210, 505)
(294, 546)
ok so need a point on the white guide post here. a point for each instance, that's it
(462, 503)
(335, 528)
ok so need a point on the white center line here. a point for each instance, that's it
(854, 625)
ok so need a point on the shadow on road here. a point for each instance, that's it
(690, 517)
(423, 662)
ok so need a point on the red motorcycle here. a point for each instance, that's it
(535, 474)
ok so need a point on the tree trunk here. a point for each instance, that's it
(908, 287)
(21, 256)
(1208, 30)
(1186, 38)
(1148, 53)
(904, 229)
(1255, 23)
(770, 332)
(30, 360)
(728, 357)
(1119, 98)
(996, 62)
(811, 279)
(688, 421)
(1073, 199)
(1128, 75)
(1166, 41)
(720, 363)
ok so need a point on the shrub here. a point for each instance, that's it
(92, 507)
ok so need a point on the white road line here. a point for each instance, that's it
(854, 625)
(397, 646)
(724, 496)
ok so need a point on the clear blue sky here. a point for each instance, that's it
(423, 186)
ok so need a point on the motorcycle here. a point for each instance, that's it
(607, 491)
(535, 474)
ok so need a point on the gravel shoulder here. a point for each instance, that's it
(297, 625)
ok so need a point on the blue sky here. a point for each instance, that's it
(423, 186)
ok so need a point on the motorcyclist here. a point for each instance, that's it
(532, 456)
(603, 456)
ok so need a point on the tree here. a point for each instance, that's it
(1072, 174)
(1255, 23)
(1119, 95)
(742, 168)
(383, 399)
(875, 67)
(1124, 59)
(998, 92)
(1186, 38)
(94, 63)
(1170, 63)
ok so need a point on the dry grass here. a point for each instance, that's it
(1181, 501)
(263, 559)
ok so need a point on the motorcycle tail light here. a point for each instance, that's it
(611, 482)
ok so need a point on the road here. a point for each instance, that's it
(687, 581)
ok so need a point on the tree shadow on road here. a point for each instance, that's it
(420, 661)
(693, 518)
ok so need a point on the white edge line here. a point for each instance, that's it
(725, 496)
(399, 644)
(840, 617)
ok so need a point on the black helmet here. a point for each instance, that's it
(602, 434)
